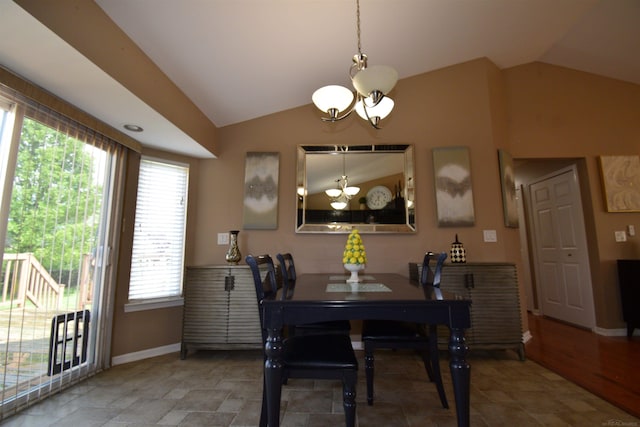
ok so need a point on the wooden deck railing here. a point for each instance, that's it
(26, 279)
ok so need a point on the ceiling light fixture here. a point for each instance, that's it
(133, 128)
(371, 85)
(343, 192)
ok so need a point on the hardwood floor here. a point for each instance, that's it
(606, 366)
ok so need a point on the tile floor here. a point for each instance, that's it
(224, 389)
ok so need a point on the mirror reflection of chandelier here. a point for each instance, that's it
(343, 192)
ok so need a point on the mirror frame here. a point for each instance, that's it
(408, 191)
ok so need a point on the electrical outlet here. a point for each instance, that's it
(223, 238)
(490, 235)
(621, 236)
(631, 230)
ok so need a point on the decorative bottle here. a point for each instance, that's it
(233, 254)
(458, 253)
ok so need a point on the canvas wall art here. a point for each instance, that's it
(621, 183)
(508, 184)
(261, 191)
(454, 195)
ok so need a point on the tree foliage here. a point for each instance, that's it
(55, 201)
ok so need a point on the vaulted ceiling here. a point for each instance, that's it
(236, 60)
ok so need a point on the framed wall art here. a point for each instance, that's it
(508, 185)
(621, 183)
(454, 195)
(261, 191)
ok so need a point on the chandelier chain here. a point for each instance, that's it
(358, 25)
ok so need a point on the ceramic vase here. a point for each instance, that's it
(233, 254)
(458, 253)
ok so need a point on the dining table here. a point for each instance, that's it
(384, 296)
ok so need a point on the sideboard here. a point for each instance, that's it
(629, 282)
(220, 309)
(495, 303)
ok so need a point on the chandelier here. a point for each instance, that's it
(343, 192)
(371, 85)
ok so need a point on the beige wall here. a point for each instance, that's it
(555, 112)
(447, 107)
(534, 111)
(143, 330)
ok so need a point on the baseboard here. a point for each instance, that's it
(356, 343)
(618, 332)
(145, 354)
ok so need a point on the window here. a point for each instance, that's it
(157, 260)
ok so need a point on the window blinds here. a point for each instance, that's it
(157, 262)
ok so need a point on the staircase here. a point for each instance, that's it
(25, 279)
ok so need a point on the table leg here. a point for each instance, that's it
(273, 376)
(460, 374)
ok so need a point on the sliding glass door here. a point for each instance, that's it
(58, 213)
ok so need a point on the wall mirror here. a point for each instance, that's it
(368, 187)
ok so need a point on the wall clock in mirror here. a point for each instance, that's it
(378, 197)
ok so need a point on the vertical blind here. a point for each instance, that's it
(58, 204)
(157, 262)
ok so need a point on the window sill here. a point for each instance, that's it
(153, 304)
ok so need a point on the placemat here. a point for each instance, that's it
(358, 287)
(362, 276)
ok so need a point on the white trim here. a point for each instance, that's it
(619, 332)
(153, 304)
(165, 161)
(356, 343)
(145, 354)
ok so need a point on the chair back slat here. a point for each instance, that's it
(264, 279)
(431, 276)
(288, 270)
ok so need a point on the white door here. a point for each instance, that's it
(524, 251)
(562, 265)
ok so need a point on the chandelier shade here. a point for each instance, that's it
(381, 78)
(338, 205)
(351, 191)
(374, 111)
(333, 192)
(332, 97)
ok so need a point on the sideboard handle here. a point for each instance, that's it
(468, 281)
(229, 283)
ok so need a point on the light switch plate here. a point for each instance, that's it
(631, 229)
(621, 236)
(223, 238)
(490, 235)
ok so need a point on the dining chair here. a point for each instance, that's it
(326, 356)
(288, 273)
(395, 334)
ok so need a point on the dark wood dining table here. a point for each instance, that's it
(323, 297)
